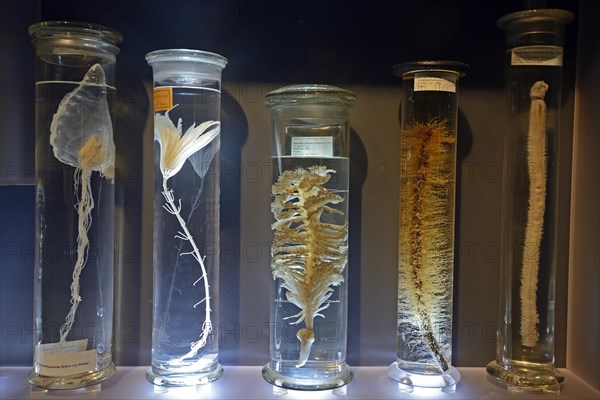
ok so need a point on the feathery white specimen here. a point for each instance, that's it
(426, 254)
(536, 167)
(308, 255)
(81, 136)
(175, 148)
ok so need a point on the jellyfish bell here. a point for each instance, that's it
(81, 130)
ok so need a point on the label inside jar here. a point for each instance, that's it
(433, 84)
(312, 146)
(65, 358)
(537, 55)
(163, 98)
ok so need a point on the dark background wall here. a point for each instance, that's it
(269, 44)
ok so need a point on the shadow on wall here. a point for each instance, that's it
(131, 115)
(358, 173)
(464, 138)
(234, 134)
(17, 245)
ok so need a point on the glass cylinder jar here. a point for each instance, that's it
(426, 231)
(75, 166)
(187, 103)
(525, 339)
(309, 251)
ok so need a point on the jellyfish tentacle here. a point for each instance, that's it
(84, 211)
(90, 156)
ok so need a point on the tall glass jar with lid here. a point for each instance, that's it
(428, 134)
(530, 193)
(309, 250)
(75, 170)
(187, 142)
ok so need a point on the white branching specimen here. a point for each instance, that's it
(536, 168)
(81, 136)
(175, 148)
(426, 254)
(308, 255)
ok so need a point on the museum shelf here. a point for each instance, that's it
(245, 382)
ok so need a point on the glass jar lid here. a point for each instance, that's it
(310, 94)
(75, 30)
(186, 55)
(543, 26)
(539, 15)
(456, 67)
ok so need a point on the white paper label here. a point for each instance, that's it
(312, 146)
(66, 358)
(433, 84)
(537, 55)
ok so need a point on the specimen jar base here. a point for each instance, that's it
(72, 381)
(522, 378)
(308, 377)
(446, 381)
(180, 378)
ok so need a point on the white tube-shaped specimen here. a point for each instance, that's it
(536, 168)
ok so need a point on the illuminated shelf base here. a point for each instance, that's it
(246, 382)
(410, 382)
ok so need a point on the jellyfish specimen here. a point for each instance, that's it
(81, 136)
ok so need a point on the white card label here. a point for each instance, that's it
(433, 84)
(312, 146)
(537, 55)
(66, 358)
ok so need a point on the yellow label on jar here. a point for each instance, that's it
(163, 98)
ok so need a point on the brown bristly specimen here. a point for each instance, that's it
(426, 232)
